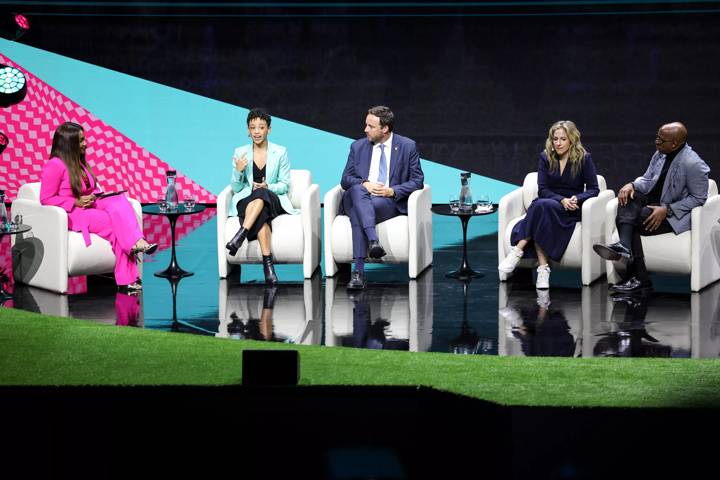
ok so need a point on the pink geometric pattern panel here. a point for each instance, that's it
(118, 162)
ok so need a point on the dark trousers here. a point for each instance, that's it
(633, 215)
(366, 211)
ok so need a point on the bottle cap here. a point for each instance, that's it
(171, 172)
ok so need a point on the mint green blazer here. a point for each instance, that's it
(277, 171)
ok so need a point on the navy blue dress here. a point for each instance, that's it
(547, 222)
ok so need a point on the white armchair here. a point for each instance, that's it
(579, 254)
(405, 238)
(50, 253)
(691, 253)
(295, 239)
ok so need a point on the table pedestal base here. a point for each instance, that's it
(173, 271)
(464, 273)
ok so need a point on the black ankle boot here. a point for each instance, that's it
(269, 269)
(269, 297)
(234, 245)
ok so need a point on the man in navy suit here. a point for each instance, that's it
(382, 171)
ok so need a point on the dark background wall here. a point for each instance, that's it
(477, 87)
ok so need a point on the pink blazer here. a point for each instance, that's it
(55, 189)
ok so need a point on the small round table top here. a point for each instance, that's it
(444, 209)
(22, 228)
(154, 209)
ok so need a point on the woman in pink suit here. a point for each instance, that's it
(67, 182)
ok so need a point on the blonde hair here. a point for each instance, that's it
(577, 152)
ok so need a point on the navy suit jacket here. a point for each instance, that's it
(406, 175)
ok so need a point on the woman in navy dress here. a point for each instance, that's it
(566, 178)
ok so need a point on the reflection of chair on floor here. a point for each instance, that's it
(296, 315)
(405, 238)
(407, 311)
(115, 308)
(691, 253)
(295, 239)
(519, 324)
(47, 255)
(705, 322)
(579, 254)
(654, 325)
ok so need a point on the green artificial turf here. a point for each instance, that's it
(42, 350)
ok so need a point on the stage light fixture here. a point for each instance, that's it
(4, 142)
(14, 26)
(13, 86)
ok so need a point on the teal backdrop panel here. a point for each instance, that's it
(197, 135)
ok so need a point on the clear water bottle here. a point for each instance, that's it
(466, 198)
(171, 194)
(4, 219)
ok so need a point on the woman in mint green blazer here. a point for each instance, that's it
(260, 182)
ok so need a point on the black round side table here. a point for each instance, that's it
(464, 272)
(173, 270)
(13, 231)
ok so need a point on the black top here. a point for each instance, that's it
(655, 193)
(258, 173)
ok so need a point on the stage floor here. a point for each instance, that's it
(431, 314)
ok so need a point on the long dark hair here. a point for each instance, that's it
(66, 146)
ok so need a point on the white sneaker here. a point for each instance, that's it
(543, 298)
(511, 261)
(543, 277)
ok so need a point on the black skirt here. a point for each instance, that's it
(271, 209)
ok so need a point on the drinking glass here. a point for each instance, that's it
(454, 202)
(189, 203)
(484, 201)
(162, 205)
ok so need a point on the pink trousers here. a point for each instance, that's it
(113, 219)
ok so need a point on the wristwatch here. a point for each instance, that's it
(670, 212)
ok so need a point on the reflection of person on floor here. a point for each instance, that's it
(544, 332)
(369, 334)
(127, 309)
(68, 182)
(631, 340)
(257, 329)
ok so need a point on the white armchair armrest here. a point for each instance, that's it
(47, 265)
(705, 264)
(223, 202)
(592, 232)
(310, 213)
(331, 205)
(420, 231)
(510, 207)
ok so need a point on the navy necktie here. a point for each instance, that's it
(382, 170)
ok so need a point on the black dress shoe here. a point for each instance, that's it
(375, 250)
(614, 252)
(633, 284)
(357, 281)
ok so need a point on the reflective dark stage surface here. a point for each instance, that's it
(433, 313)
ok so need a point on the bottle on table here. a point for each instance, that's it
(4, 219)
(466, 198)
(171, 194)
